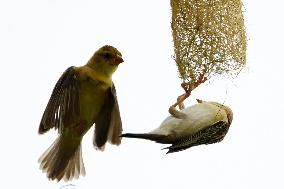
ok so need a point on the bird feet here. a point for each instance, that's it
(188, 88)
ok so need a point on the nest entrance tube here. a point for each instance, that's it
(209, 39)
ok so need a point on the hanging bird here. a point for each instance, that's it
(202, 123)
(82, 96)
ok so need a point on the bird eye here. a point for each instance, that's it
(107, 56)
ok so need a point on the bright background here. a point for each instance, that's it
(40, 39)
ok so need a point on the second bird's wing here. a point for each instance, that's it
(209, 135)
(64, 104)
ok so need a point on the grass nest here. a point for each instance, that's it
(209, 38)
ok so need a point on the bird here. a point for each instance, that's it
(82, 96)
(203, 123)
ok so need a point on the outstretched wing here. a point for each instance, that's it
(64, 104)
(209, 135)
(108, 123)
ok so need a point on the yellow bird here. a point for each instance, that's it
(82, 96)
(202, 123)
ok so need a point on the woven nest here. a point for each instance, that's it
(209, 38)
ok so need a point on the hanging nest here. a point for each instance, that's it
(209, 38)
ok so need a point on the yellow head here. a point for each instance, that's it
(106, 60)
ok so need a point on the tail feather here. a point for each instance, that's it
(60, 162)
(153, 137)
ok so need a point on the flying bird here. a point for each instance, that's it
(202, 123)
(82, 96)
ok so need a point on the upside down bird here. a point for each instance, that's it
(82, 96)
(202, 123)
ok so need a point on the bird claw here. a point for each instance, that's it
(180, 100)
(188, 87)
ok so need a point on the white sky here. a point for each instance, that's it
(40, 39)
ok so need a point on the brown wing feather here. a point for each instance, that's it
(64, 104)
(115, 129)
(108, 123)
(212, 134)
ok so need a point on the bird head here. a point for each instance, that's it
(106, 59)
(226, 109)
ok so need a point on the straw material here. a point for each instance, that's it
(209, 38)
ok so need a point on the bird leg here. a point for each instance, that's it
(188, 88)
(180, 105)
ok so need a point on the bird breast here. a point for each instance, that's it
(198, 117)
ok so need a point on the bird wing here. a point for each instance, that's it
(108, 123)
(64, 104)
(209, 135)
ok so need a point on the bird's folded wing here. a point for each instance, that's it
(64, 104)
(108, 123)
(209, 135)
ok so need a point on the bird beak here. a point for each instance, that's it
(118, 60)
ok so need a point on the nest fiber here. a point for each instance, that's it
(209, 37)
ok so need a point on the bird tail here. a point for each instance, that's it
(63, 159)
(153, 137)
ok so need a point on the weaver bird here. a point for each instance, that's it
(82, 96)
(202, 123)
